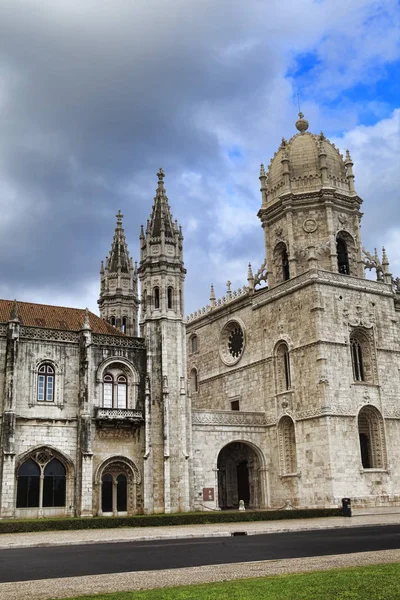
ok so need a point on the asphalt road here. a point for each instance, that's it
(24, 564)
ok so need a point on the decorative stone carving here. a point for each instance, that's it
(310, 225)
(228, 418)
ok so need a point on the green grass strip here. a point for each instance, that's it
(377, 582)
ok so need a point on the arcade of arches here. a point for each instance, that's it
(239, 476)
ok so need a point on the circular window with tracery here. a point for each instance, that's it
(232, 342)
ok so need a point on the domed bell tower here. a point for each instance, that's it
(310, 211)
(162, 276)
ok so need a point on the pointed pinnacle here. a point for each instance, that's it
(385, 260)
(249, 273)
(86, 320)
(119, 217)
(262, 170)
(14, 316)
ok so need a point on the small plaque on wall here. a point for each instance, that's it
(208, 494)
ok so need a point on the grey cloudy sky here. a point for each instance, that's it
(96, 95)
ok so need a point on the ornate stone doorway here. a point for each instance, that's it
(239, 476)
(118, 479)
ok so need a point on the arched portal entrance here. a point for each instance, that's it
(238, 476)
(118, 479)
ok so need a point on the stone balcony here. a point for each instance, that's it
(118, 417)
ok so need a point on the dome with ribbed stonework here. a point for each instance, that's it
(307, 162)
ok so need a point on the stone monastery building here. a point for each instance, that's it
(284, 393)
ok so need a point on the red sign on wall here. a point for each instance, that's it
(208, 494)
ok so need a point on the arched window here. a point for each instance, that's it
(169, 297)
(361, 360)
(122, 490)
(283, 375)
(54, 484)
(357, 360)
(194, 383)
(280, 261)
(121, 391)
(372, 439)
(156, 297)
(287, 446)
(285, 265)
(107, 493)
(45, 383)
(124, 324)
(114, 492)
(28, 487)
(194, 344)
(108, 385)
(342, 256)
(41, 485)
(115, 389)
(112, 321)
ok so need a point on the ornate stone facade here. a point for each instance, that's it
(282, 393)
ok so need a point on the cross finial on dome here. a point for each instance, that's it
(301, 123)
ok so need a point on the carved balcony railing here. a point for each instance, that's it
(118, 417)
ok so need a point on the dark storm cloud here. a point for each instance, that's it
(93, 101)
(96, 95)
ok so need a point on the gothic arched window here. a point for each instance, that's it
(287, 445)
(372, 439)
(124, 324)
(283, 374)
(45, 383)
(54, 484)
(342, 256)
(361, 360)
(156, 297)
(28, 486)
(41, 486)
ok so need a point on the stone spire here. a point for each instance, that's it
(161, 252)
(160, 222)
(119, 259)
(118, 300)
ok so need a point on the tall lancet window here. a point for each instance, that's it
(342, 257)
(285, 265)
(156, 297)
(169, 297)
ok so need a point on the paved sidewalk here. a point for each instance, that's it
(99, 584)
(361, 517)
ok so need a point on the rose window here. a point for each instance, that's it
(235, 342)
(232, 342)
